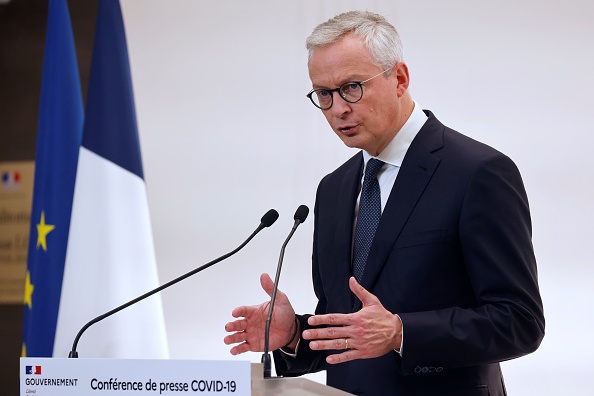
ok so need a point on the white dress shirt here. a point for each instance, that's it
(393, 155)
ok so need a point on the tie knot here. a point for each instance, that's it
(372, 168)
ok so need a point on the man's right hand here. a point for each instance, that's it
(248, 330)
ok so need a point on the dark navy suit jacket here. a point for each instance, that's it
(452, 256)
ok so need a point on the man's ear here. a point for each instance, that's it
(400, 71)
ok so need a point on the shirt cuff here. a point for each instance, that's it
(291, 354)
(399, 351)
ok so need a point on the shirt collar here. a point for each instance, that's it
(395, 151)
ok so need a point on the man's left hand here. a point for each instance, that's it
(371, 332)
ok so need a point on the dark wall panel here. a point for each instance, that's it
(22, 42)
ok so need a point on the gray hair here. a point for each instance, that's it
(380, 37)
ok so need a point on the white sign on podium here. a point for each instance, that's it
(63, 377)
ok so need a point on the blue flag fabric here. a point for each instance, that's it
(58, 141)
(110, 125)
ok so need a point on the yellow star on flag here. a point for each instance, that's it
(42, 231)
(29, 291)
(24, 350)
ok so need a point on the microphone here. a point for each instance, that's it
(300, 216)
(267, 220)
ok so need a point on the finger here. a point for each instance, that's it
(240, 312)
(366, 297)
(238, 325)
(329, 319)
(245, 311)
(326, 333)
(239, 349)
(351, 354)
(330, 345)
(267, 284)
(234, 338)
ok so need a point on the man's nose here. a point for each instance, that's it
(340, 107)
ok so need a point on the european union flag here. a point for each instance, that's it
(58, 141)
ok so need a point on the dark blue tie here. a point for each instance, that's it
(370, 211)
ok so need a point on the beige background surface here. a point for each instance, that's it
(15, 213)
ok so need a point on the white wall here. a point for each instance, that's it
(227, 133)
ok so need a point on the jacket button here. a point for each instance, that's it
(418, 370)
(439, 369)
(425, 370)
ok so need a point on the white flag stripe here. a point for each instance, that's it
(110, 260)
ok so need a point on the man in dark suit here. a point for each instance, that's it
(424, 269)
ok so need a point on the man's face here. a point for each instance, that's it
(371, 123)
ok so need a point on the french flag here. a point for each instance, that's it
(110, 257)
(11, 180)
(33, 370)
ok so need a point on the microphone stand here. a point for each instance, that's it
(300, 216)
(267, 220)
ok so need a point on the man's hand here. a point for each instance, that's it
(369, 333)
(248, 330)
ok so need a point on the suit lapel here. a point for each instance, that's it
(417, 169)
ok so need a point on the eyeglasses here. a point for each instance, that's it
(351, 92)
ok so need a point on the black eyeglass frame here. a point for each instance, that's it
(340, 91)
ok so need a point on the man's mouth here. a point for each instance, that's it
(347, 129)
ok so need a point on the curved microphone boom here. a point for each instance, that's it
(300, 216)
(267, 220)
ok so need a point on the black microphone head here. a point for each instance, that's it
(269, 218)
(301, 213)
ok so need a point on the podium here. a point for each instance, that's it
(64, 377)
(288, 386)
